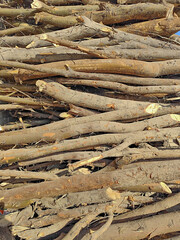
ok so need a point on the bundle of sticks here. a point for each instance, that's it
(90, 146)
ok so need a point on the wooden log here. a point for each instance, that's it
(35, 134)
(158, 27)
(118, 14)
(122, 66)
(155, 225)
(151, 209)
(9, 12)
(64, 10)
(122, 87)
(150, 172)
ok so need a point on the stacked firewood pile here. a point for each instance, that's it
(90, 136)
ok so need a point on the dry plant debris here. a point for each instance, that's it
(89, 119)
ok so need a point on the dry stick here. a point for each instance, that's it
(63, 10)
(149, 54)
(37, 133)
(58, 53)
(88, 218)
(43, 55)
(138, 154)
(28, 174)
(152, 187)
(116, 51)
(9, 12)
(14, 155)
(12, 86)
(80, 225)
(25, 124)
(23, 27)
(123, 88)
(34, 114)
(121, 78)
(130, 139)
(30, 101)
(57, 208)
(152, 226)
(147, 12)
(88, 29)
(89, 100)
(104, 228)
(73, 33)
(90, 197)
(58, 21)
(154, 208)
(105, 126)
(162, 171)
(12, 107)
(43, 221)
(62, 93)
(34, 234)
(33, 67)
(70, 44)
(105, 41)
(80, 211)
(78, 111)
(126, 143)
(125, 36)
(62, 157)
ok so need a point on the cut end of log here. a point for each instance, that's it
(65, 115)
(175, 117)
(41, 85)
(165, 188)
(113, 194)
(152, 108)
(36, 4)
(43, 36)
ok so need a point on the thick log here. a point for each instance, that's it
(36, 134)
(118, 14)
(122, 66)
(167, 203)
(159, 27)
(122, 87)
(64, 10)
(151, 226)
(148, 173)
(61, 93)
